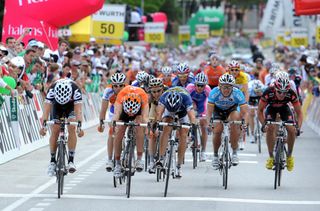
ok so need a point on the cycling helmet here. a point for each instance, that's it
(201, 79)
(155, 82)
(282, 82)
(227, 79)
(131, 104)
(274, 68)
(234, 64)
(183, 68)
(257, 86)
(174, 101)
(293, 71)
(63, 91)
(166, 71)
(118, 78)
(142, 76)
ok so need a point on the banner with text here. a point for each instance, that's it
(154, 32)
(299, 37)
(108, 22)
(184, 33)
(202, 31)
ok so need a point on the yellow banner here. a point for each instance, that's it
(280, 39)
(202, 36)
(217, 33)
(112, 30)
(184, 37)
(296, 42)
(318, 34)
(154, 37)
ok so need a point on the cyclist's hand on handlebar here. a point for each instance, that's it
(101, 126)
(264, 128)
(298, 131)
(43, 130)
(79, 130)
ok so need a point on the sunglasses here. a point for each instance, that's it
(226, 87)
(234, 70)
(183, 75)
(200, 85)
(156, 91)
(118, 86)
(282, 92)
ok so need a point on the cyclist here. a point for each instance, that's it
(141, 79)
(241, 78)
(108, 98)
(184, 77)
(275, 100)
(222, 103)
(199, 92)
(256, 89)
(214, 71)
(296, 78)
(167, 76)
(64, 99)
(156, 88)
(175, 102)
(131, 105)
(269, 79)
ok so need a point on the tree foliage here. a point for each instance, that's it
(150, 6)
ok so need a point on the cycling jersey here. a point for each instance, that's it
(135, 83)
(65, 110)
(133, 90)
(109, 95)
(269, 96)
(241, 80)
(186, 99)
(224, 103)
(214, 74)
(176, 81)
(200, 99)
(252, 84)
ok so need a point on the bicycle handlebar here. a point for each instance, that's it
(60, 122)
(279, 123)
(230, 122)
(187, 126)
(131, 124)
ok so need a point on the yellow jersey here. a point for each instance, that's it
(241, 80)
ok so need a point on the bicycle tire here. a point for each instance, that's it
(168, 172)
(277, 167)
(225, 163)
(258, 135)
(146, 154)
(129, 172)
(194, 150)
(60, 167)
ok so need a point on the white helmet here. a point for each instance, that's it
(201, 79)
(118, 78)
(63, 91)
(166, 71)
(227, 79)
(142, 76)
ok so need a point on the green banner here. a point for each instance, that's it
(13, 109)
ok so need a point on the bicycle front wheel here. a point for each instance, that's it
(168, 169)
(129, 170)
(60, 168)
(277, 166)
(225, 163)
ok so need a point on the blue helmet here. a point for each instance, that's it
(174, 101)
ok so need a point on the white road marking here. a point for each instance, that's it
(209, 161)
(68, 184)
(52, 181)
(132, 198)
(82, 175)
(67, 188)
(79, 178)
(49, 200)
(41, 204)
(75, 181)
(36, 209)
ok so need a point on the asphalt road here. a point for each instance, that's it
(25, 185)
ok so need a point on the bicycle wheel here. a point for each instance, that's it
(146, 154)
(168, 169)
(60, 168)
(225, 163)
(195, 149)
(129, 169)
(277, 166)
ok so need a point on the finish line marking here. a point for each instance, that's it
(205, 199)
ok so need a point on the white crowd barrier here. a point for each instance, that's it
(20, 122)
(313, 115)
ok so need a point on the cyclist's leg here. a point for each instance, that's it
(139, 138)
(203, 127)
(165, 134)
(287, 115)
(234, 130)
(270, 115)
(183, 139)
(251, 120)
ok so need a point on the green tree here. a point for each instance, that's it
(150, 6)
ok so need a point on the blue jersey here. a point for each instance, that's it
(224, 103)
(176, 81)
(186, 99)
(135, 83)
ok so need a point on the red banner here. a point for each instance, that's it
(307, 7)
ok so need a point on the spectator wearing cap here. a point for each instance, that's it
(77, 54)
(92, 43)
(40, 50)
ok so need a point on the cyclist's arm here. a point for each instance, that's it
(46, 110)
(297, 109)
(244, 111)
(117, 111)
(261, 107)
(210, 110)
(104, 108)
(246, 92)
(192, 116)
(78, 111)
(145, 113)
(159, 111)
